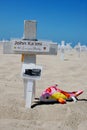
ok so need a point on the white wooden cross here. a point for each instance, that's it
(29, 47)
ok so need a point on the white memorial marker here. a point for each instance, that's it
(62, 49)
(79, 49)
(29, 47)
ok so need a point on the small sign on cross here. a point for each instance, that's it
(29, 46)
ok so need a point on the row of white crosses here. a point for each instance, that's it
(29, 47)
(79, 48)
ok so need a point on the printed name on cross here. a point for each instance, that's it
(28, 43)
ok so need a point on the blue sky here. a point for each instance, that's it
(56, 19)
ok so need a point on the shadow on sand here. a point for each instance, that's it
(38, 102)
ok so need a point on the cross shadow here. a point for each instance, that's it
(66, 59)
(82, 100)
(38, 102)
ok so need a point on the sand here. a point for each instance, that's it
(70, 75)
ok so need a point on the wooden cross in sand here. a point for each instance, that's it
(29, 47)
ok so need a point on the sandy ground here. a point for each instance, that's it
(70, 75)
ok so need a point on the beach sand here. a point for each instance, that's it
(70, 75)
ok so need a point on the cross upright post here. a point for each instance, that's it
(29, 84)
